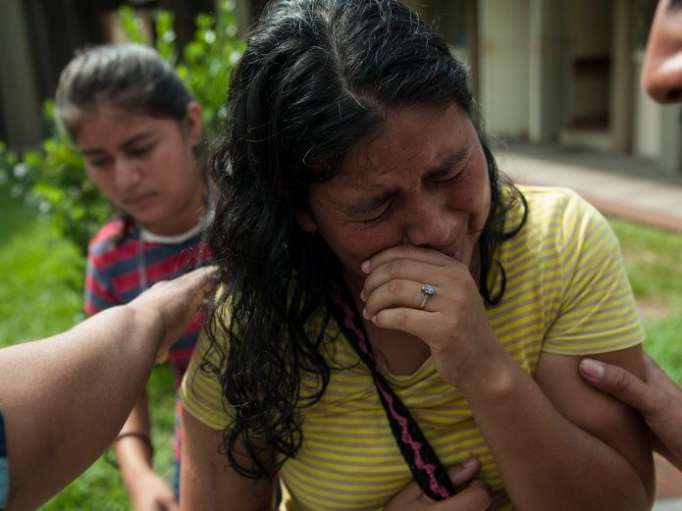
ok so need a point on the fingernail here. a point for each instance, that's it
(362, 296)
(364, 313)
(592, 369)
(365, 266)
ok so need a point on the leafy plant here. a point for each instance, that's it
(53, 177)
(14, 176)
(60, 188)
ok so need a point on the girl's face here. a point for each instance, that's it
(422, 181)
(146, 166)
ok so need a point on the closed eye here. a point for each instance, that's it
(142, 151)
(450, 169)
(383, 212)
(447, 177)
(99, 162)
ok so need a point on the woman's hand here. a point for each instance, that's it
(153, 493)
(474, 497)
(175, 301)
(453, 322)
(656, 397)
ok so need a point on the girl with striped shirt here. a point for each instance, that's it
(138, 127)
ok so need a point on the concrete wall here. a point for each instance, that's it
(504, 66)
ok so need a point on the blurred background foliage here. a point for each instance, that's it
(52, 179)
(50, 210)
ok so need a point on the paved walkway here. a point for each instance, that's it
(618, 185)
(668, 486)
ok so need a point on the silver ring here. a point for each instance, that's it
(427, 292)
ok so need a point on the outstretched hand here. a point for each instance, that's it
(154, 494)
(176, 302)
(657, 398)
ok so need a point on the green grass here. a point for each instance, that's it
(653, 259)
(41, 295)
(41, 276)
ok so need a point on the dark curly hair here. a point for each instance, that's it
(316, 78)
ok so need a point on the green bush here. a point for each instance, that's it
(53, 177)
(59, 187)
(15, 176)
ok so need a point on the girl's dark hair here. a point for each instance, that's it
(129, 76)
(316, 78)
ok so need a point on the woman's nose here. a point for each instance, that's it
(662, 77)
(429, 226)
(128, 174)
(662, 69)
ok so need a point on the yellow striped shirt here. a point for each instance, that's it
(567, 293)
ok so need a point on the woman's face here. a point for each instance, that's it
(421, 181)
(145, 165)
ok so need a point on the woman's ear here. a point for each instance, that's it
(194, 122)
(305, 220)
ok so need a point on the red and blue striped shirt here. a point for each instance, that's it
(122, 263)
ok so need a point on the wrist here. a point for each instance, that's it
(491, 378)
(136, 478)
(145, 319)
(139, 436)
(134, 453)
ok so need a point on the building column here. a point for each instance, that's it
(504, 61)
(670, 159)
(474, 46)
(545, 70)
(621, 91)
(21, 108)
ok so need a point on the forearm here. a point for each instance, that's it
(207, 479)
(66, 397)
(548, 462)
(133, 446)
(653, 394)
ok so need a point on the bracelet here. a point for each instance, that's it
(144, 437)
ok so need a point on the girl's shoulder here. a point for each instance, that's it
(109, 237)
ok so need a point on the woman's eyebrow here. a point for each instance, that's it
(369, 203)
(448, 163)
(94, 151)
(136, 138)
